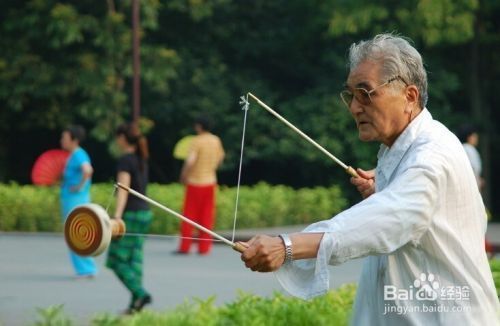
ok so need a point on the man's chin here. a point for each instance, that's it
(366, 137)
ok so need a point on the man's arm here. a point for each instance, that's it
(267, 254)
(378, 225)
(187, 167)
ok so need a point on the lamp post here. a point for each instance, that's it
(136, 91)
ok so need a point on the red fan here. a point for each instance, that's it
(49, 167)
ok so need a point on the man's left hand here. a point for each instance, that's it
(365, 183)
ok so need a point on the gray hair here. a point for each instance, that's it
(398, 57)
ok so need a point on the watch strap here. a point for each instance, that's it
(288, 247)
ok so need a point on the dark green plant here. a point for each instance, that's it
(495, 270)
(53, 316)
(279, 309)
(106, 319)
(335, 307)
(247, 310)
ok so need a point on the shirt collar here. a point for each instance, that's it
(390, 157)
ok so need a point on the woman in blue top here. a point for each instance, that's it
(75, 188)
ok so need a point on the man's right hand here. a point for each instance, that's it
(264, 253)
(365, 183)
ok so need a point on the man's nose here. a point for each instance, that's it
(356, 107)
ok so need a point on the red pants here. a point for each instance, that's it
(489, 247)
(199, 206)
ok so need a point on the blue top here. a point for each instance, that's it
(72, 176)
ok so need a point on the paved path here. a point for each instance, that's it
(35, 272)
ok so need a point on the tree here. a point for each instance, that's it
(72, 65)
(71, 61)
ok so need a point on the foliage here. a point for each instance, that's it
(443, 21)
(247, 310)
(334, 307)
(70, 61)
(31, 208)
(53, 316)
(495, 270)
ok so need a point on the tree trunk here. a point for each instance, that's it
(480, 109)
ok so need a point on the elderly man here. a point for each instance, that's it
(422, 222)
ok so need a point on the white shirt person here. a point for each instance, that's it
(469, 137)
(415, 223)
(423, 222)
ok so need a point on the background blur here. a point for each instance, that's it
(65, 62)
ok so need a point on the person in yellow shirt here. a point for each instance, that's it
(199, 176)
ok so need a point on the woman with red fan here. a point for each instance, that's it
(75, 188)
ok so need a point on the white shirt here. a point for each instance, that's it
(426, 222)
(475, 161)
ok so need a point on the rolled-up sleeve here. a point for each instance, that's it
(380, 224)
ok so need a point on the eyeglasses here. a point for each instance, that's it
(362, 95)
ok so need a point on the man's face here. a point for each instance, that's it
(384, 118)
(473, 139)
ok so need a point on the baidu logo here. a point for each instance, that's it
(427, 287)
(427, 295)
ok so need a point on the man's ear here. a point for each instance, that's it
(412, 97)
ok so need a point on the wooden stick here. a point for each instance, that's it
(236, 246)
(348, 169)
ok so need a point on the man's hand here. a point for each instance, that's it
(264, 253)
(365, 183)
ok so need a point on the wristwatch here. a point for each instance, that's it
(288, 247)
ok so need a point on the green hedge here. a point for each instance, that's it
(334, 308)
(32, 208)
(495, 270)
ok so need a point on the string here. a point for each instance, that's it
(246, 104)
(149, 235)
(111, 199)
